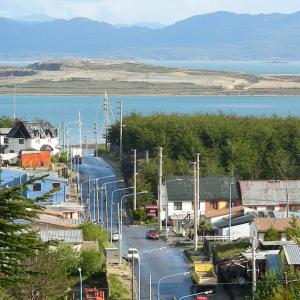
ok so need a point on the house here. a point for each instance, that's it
(214, 194)
(290, 256)
(259, 227)
(51, 182)
(37, 135)
(34, 158)
(240, 226)
(270, 194)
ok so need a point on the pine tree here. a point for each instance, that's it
(18, 241)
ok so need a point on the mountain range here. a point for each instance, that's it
(220, 35)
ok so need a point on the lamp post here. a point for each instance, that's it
(121, 221)
(95, 189)
(169, 276)
(104, 187)
(167, 207)
(197, 294)
(80, 278)
(139, 274)
(111, 208)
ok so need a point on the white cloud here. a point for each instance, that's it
(131, 11)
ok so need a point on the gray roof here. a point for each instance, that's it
(4, 131)
(269, 192)
(65, 236)
(235, 221)
(292, 254)
(211, 188)
(24, 129)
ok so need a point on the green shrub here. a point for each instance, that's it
(139, 215)
(91, 261)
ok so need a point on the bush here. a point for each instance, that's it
(63, 158)
(91, 262)
(139, 215)
(271, 234)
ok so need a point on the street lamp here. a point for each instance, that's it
(197, 294)
(80, 278)
(146, 252)
(121, 221)
(167, 207)
(93, 179)
(104, 187)
(169, 276)
(111, 208)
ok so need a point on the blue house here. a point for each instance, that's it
(9, 178)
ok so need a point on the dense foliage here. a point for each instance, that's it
(18, 242)
(6, 122)
(272, 234)
(271, 286)
(247, 147)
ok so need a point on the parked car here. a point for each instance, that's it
(115, 236)
(152, 234)
(133, 254)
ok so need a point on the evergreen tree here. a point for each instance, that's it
(18, 241)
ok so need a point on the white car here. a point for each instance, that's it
(133, 254)
(115, 236)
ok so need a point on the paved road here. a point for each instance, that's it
(157, 263)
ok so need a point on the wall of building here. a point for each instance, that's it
(36, 143)
(238, 231)
(35, 159)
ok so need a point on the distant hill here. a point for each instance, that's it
(220, 35)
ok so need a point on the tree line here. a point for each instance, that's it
(247, 147)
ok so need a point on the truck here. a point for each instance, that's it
(204, 277)
(93, 294)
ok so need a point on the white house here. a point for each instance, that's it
(177, 193)
(36, 135)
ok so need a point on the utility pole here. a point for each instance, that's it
(134, 179)
(132, 278)
(253, 265)
(150, 287)
(286, 282)
(121, 128)
(198, 182)
(106, 121)
(287, 203)
(96, 138)
(160, 188)
(195, 206)
(79, 128)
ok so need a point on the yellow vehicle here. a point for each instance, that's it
(204, 276)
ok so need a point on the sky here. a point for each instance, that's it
(134, 11)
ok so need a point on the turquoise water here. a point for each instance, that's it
(250, 67)
(65, 108)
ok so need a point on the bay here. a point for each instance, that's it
(248, 67)
(58, 109)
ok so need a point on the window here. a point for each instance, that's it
(214, 205)
(5, 140)
(56, 185)
(37, 187)
(270, 207)
(11, 151)
(21, 141)
(37, 141)
(177, 205)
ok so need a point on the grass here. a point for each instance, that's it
(228, 249)
(117, 290)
